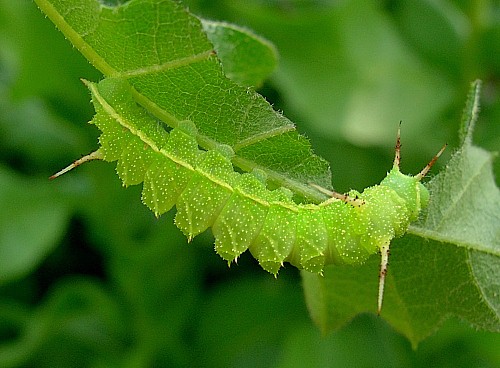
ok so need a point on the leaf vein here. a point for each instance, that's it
(462, 192)
(172, 64)
(263, 136)
(448, 239)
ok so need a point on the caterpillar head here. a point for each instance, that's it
(415, 197)
(410, 188)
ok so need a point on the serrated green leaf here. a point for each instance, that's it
(163, 53)
(448, 264)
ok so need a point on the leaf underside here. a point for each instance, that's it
(174, 74)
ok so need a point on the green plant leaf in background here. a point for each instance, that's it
(334, 74)
(247, 58)
(25, 240)
(32, 137)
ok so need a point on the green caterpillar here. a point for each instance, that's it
(242, 213)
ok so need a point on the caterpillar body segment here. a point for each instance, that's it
(276, 238)
(242, 213)
(165, 180)
(242, 217)
(209, 188)
(311, 240)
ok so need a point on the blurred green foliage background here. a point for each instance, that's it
(90, 278)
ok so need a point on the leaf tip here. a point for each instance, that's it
(471, 112)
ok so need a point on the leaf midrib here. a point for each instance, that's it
(169, 65)
(75, 38)
(446, 238)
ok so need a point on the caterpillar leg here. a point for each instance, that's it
(384, 263)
